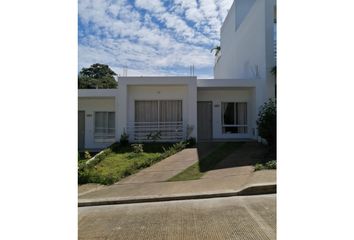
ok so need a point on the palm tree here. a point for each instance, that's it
(217, 50)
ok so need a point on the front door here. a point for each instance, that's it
(205, 122)
(81, 128)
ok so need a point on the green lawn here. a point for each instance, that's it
(118, 165)
(124, 162)
(198, 169)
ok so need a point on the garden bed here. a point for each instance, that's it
(118, 162)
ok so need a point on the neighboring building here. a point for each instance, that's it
(175, 108)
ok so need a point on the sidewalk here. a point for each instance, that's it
(141, 192)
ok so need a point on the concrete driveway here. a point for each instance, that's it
(239, 163)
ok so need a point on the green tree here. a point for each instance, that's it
(97, 76)
(267, 122)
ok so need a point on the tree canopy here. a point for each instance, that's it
(97, 76)
(267, 122)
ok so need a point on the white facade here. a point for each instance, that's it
(247, 44)
(132, 89)
(242, 83)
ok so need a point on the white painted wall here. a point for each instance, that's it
(156, 88)
(219, 95)
(244, 48)
(91, 105)
(248, 47)
(178, 92)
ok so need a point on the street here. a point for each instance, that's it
(241, 217)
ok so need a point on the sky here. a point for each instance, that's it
(151, 37)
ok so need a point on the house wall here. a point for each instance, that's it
(217, 96)
(156, 88)
(90, 106)
(157, 93)
(242, 48)
(247, 47)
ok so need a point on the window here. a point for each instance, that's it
(170, 111)
(146, 111)
(158, 111)
(162, 118)
(234, 117)
(104, 126)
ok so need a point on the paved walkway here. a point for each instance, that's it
(171, 166)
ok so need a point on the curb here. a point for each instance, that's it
(255, 189)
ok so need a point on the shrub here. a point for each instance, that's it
(271, 164)
(179, 146)
(137, 148)
(114, 147)
(258, 166)
(154, 136)
(124, 139)
(87, 155)
(83, 173)
(174, 149)
(191, 142)
(268, 165)
(99, 157)
(266, 122)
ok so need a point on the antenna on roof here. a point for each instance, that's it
(125, 70)
(191, 70)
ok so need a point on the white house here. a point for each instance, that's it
(175, 108)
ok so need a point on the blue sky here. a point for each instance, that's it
(151, 37)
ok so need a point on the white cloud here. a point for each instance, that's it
(151, 5)
(118, 34)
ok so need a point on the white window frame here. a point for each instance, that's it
(104, 137)
(235, 117)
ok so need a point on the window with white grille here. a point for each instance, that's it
(160, 120)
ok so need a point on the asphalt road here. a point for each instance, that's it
(248, 217)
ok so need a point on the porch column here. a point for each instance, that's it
(192, 106)
(121, 109)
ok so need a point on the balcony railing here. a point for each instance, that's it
(156, 131)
